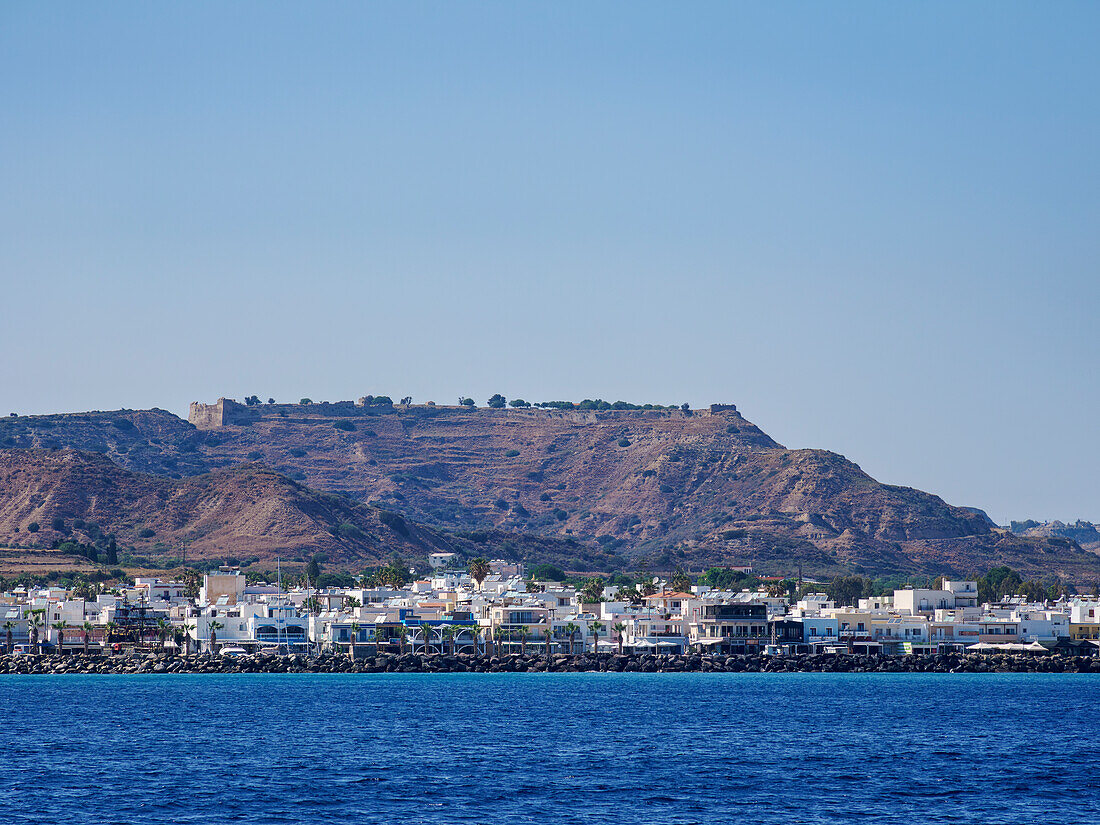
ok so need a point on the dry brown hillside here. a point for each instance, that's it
(245, 512)
(657, 488)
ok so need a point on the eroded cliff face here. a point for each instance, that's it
(664, 487)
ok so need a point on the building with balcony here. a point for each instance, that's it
(731, 628)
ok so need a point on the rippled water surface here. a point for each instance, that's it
(550, 748)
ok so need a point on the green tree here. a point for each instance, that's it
(496, 401)
(111, 554)
(681, 582)
(60, 628)
(214, 627)
(109, 632)
(846, 590)
(723, 578)
(305, 402)
(524, 631)
(87, 628)
(447, 639)
(518, 403)
(478, 569)
(595, 628)
(620, 634)
(34, 622)
(547, 572)
(354, 634)
(592, 590)
(8, 638)
(997, 583)
(191, 582)
(466, 402)
(313, 570)
(571, 631)
(629, 594)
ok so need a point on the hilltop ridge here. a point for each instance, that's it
(660, 487)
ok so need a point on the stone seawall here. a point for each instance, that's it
(560, 663)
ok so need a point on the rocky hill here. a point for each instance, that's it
(641, 488)
(248, 514)
(1083, 533)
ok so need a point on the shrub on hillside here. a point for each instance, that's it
(394, 522)
(351, 531)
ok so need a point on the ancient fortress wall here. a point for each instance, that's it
(207, 416)
(225, 411)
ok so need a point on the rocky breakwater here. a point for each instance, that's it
(153, 663)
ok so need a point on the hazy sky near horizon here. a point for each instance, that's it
(874, 227)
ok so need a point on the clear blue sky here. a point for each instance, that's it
(875, 227)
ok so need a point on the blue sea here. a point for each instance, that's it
(550, 748)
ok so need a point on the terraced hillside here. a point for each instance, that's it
(661, 488)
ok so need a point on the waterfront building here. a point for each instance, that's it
(731, 628)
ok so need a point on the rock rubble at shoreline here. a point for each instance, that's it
(559, 663)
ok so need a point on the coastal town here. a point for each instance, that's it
(492, 608)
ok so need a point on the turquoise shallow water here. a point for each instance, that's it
(551, 748)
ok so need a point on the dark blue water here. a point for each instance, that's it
(550, 748)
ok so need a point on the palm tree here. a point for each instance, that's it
(8, 626)
(214, 626)
(402, 633)
(620, 632)
(447, 638)
(354, 633)
(777, 589)
(426, 633)
(60, 628)
(187, 628)
(34, 622)
(500, 633)
(549, 639)
(524, 632)
(595, 628)
(571, 631)
(163, 629)
(109, 633)
(479, 570)
(87, 628)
